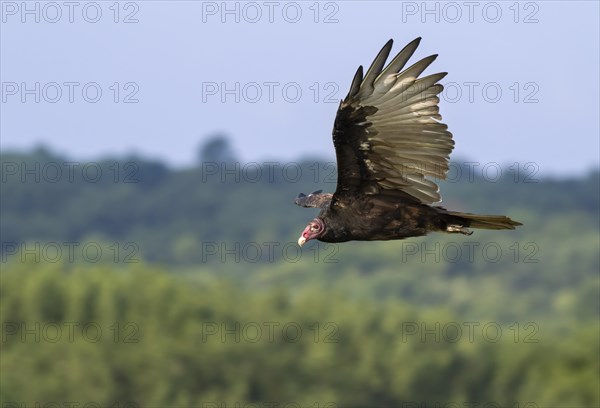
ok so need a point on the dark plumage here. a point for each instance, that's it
(388, 139)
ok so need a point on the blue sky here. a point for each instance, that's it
(523, 83)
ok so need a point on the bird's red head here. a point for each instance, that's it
(313, 230)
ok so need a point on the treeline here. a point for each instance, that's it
(170, 213)
(141, 337)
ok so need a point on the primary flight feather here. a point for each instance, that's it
(388, 139)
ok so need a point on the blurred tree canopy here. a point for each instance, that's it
(216, 150)
(139, 335)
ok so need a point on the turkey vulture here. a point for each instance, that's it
(388, 139)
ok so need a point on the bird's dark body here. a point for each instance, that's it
(362, 224)
(383, 218)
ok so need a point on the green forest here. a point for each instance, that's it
(128, 283)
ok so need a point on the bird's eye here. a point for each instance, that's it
(314, 227)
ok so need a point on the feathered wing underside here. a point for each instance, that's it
(387, 133)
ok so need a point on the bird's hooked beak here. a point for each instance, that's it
(305, 236)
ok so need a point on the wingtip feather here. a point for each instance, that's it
(356, 81)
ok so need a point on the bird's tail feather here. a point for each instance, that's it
(491, 222)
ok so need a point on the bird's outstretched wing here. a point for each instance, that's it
(315, 199)
(387, 132)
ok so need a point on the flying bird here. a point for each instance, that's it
(389, 143)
